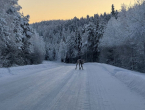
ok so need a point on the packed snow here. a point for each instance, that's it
(58, 86)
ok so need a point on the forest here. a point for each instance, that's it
(115, 38)
(20, 44)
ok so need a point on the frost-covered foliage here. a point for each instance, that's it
(117, 38)
(16, 36)
(71, 39)
(123, 42)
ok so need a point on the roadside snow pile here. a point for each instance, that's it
(134, 80)
(28, 69)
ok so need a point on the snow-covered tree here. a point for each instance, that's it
(16, 35)
(122, 43)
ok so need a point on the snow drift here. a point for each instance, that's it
(134, 80)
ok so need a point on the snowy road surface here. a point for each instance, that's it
(61, 87)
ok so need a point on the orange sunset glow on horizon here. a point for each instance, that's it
(42, 10)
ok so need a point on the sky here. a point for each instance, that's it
(42, 10)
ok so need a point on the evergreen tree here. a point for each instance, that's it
(113, 11)
(16, 36)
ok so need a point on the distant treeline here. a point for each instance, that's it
(116, 38)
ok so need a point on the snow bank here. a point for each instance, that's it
(28, 69)
(134, 80)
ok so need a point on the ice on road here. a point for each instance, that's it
(61, 87)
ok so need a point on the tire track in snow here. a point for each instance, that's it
(26, 83)
(98, 98)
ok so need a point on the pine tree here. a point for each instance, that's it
(113, 11)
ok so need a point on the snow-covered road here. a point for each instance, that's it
(61, 87)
